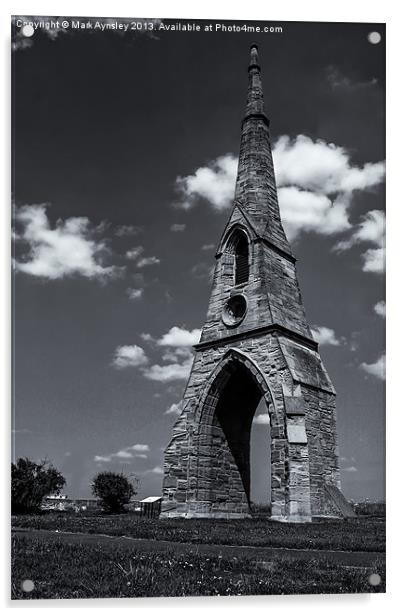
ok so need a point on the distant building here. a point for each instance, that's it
(61, 502)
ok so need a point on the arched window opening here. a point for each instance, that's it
(238, 247)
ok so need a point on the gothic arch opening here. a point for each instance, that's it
(226, 421)
(238, 246)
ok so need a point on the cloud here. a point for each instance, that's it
(321, 167)
(145, 261)
(134, 294)
(128, 230)
(180, 337)
(123, 453)
(215, 183)
(174, 409)
(374, 260)
(376, 369)
(146, 337)
(262, 419)
(337, 80)
(128, 453)
(316, 181)
(370, 230)
(178, 227)
(129, 356)
(177, 354)
(102, 458)
(349, 469)
(325, 336)
(134, 252)
(157, 470)
(207, 246)
(302, 210)
(379, 308)
(169, 372)
(139, 447)
(71, 248)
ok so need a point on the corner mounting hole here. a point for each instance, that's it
(27, 585)
(27, 30)
(374, 579)
(374, 38)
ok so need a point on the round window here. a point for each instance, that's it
(234, 310)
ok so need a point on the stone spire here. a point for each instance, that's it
(256, 193)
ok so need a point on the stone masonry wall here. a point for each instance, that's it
(272, 292)
(201, 477)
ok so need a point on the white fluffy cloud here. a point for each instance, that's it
(156, 470)
(145, 261)
(325, 336)
(180, 337)
(129, 356)
(374, 260)
(134, 253)
(134, 294)
(177, 228)
(174, 409)
(70, 248)
(379, 308)
(302, 210)
(174, 371)
(370, 230)
(321, 167)
(376, 369)
(316, 181)
(215, 183)
(177, 355)
(128, 453)
(140, 447)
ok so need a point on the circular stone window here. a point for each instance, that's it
(234, 310)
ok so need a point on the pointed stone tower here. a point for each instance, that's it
(256, 343)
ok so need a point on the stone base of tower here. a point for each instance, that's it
(207, 462)
(204, 510)
(333, 506)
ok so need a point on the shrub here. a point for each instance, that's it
(31, 482)
(114, 490)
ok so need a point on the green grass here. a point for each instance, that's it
(61, 570)
(357, 534)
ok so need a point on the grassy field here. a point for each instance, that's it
(62, 570)
(357, 534)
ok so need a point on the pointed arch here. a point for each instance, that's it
(237, 248)
(224, 420)
(221, 374)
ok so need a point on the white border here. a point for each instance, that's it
(308, 10)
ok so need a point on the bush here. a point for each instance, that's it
(114, 491)
(31, 482)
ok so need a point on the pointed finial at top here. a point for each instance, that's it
(254, 56)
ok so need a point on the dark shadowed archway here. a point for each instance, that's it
(227, 411)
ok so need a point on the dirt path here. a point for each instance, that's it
(351, 559)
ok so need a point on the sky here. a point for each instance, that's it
(125, 150)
